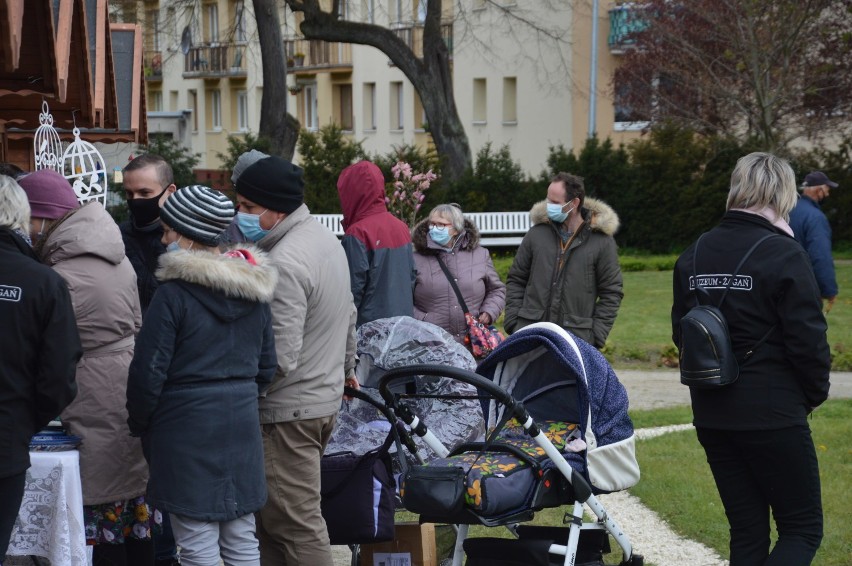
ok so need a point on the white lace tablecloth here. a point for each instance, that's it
(50, 522)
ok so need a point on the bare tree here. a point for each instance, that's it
(431, 74)
(276, 124)
(776, 70)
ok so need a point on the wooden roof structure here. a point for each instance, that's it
(67, 53)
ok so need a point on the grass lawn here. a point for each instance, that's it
(693, 507)
(641, 336)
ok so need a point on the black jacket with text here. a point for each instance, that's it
(787, 375)
(39, 352)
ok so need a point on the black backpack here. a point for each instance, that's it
(707, 359)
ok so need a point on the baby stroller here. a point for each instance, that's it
(558, 434)
(367, 443)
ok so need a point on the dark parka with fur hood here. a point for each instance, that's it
(434, 298)
(204, 354)
(583, 297)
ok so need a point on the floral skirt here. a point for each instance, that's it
(113, 523)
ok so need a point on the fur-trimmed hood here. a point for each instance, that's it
(601, 216)
(236, 278)
(467, 240)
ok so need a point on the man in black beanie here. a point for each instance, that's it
(314, 323)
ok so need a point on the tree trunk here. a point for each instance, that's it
(431, 76)
(276, 125)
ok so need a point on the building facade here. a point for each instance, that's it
(522, 75)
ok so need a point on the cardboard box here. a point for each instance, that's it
(413, 539)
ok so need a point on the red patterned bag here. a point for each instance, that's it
(481, 339)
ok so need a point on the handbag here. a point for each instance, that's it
(358, 495)
(481, 339)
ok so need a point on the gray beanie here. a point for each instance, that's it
(245, 161)
(199, 213)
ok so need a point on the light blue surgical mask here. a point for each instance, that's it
(249, 225)
(439, 234)
(554, 212)
(174, 246)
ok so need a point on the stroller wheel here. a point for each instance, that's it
(635, 560)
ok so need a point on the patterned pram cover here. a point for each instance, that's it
(572, 393)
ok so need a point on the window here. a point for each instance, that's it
(309, 107)
(421, 10)
(152, 17)
(395, 11)
(396, 106)
(419, 114)
(343, 106)
(211, 16)
(480, 101)
(193, 107)
(214, 111)
(631, 103)
(240, 34)
(368, 11)
(156, 101)
(242, 111)
(510, 100)
(343, 10)
(369, 109)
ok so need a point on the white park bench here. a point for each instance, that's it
(495, 228)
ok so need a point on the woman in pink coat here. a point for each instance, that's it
(449, 235)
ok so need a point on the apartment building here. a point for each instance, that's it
(521, 71)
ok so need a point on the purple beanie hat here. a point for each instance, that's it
(50, 194)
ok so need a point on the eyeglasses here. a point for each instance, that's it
(439, 224)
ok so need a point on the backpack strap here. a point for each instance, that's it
(728, 286)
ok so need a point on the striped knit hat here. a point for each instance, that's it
(198, 213)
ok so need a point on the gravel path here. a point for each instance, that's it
(649, 534)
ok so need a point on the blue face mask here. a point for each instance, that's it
(439, 234)
(554, 212)
(174, 246)
(249, 225)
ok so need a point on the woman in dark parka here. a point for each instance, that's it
(204, 355)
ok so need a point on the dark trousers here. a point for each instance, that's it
(756, 471)
(11, 494)
(165, 549)
(132, 553)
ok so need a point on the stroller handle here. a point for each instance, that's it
(406, 373)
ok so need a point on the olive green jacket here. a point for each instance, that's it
(583, 297)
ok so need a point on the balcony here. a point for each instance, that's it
(153, 65)
(312, 55)
(412, 36)
(215, 60)
(625, 22)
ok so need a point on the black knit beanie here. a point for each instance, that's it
(274, 183)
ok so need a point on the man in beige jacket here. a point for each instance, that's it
(314, 324)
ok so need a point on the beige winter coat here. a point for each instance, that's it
(313, 317)
(86, 249)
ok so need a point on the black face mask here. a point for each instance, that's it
(145, 211)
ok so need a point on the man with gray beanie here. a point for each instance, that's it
(314, 324)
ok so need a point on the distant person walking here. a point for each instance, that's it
(812, 230)
(41, 346)
(755, 431)
(566, 270)
(377, 246)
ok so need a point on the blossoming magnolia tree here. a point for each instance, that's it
(406, 193)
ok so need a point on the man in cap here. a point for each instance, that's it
(314, 323)
(812, 230)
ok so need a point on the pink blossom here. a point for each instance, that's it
(416, 208)
(399, 184)
(387, 200)
(421, 199)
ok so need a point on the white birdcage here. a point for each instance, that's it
(46, 145)
(83, 166)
